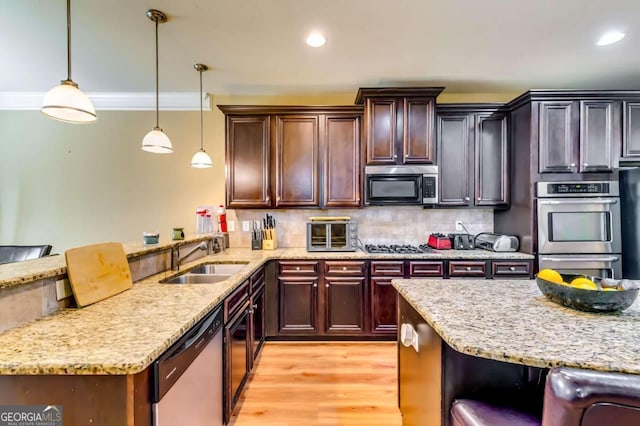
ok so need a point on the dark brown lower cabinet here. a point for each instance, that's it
(298, 305)
(383, 306)
(237, 357)
(344, 305)
(257, 322)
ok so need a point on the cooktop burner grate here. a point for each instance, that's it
(396, 248)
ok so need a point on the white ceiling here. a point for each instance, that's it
(257, 46)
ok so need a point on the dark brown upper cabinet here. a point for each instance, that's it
(399, 124)
(297, 150)
(578, 136)
(631, 131)
(341, 176)
(247, 158)
(472, 149)
(293, 156)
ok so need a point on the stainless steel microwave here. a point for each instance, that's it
(332, 235)
(401, 185)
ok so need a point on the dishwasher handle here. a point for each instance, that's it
(191, 339)
(168, 368)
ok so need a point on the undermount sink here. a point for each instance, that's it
(209, 273)
(197, 279)
(218, 268)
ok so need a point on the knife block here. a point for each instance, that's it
(272, 242)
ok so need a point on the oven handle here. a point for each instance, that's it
(578, 202)
(581, 259)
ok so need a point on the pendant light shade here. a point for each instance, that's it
(201, 159)
(156, 140)
(66, 102)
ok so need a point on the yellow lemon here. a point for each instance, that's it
(550, 275)
(584, 283)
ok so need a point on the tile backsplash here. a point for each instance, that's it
(377, 225)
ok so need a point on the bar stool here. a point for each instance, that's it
(572, 397)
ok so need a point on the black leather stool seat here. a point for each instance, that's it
(469, 412)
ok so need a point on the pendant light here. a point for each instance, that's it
(66, 102)
(201, 159)
(156, 141)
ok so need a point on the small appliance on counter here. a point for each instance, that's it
(332, 233)
(439, 241)
(496, 242)
(462, 241)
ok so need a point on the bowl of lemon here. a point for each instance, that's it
(585, 293)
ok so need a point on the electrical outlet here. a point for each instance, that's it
(231, 225)
(63, 289)
(245, 226)
(459, 226)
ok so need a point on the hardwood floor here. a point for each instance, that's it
(318, 383)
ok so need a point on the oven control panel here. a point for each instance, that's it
(578, 189)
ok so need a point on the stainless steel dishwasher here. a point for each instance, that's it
(187, 378)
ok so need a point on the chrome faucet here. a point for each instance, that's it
(176, 260)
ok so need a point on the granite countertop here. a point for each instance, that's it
(125, 333)
(510, 320)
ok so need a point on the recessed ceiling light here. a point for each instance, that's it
(610, 38)
(315, 40)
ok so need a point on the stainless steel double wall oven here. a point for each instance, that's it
(579, 227)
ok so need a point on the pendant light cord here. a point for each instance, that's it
(157, 84)
(201, 120)
(69, 40)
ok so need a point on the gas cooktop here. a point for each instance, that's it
(395, 248)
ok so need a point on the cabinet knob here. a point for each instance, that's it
(468, 268)
(315, 284)
(395, 156)
(255, 306)
(512, 268)
(326, 285)
(344, 268)
(297, 268)
(479, 199)
(406, 156)
(467, 198)
(572, 165)
(585, 164)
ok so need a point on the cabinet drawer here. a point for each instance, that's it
(426, 269)
(257, 280)
(467, 269)
(297, 268)
(236, 300)
(332, 267)
(389, 268)
(511, 269)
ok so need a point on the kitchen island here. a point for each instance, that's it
(496, 339)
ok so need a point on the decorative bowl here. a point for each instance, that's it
(586, 300)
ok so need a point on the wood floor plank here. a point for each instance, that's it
(322, 383)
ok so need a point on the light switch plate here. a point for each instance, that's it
(245, 226)
(231, 225)
(63, 289)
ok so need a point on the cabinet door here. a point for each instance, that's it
(380, 116)
(383, 306)
(344, 305)
(631, 134)
(558, 137)
(298, 305)
(491, 160)
(342, 172)
(237, 365)
(296, 140)
(599, 133)
(258, 331)
(418, 135)
(247, 183)
(455, 160)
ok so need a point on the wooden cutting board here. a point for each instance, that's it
(97, 272)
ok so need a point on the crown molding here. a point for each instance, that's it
(116, 101)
